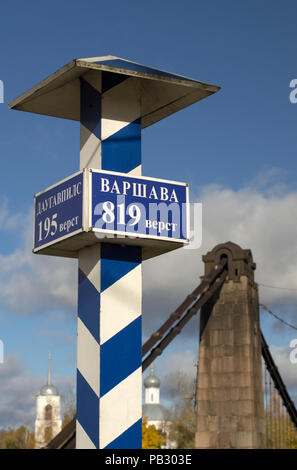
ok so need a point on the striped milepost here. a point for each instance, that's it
(113, 99)
(109, 374)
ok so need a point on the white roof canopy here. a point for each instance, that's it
(162, 93)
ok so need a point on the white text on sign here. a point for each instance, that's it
(139, 190)
(151, 219)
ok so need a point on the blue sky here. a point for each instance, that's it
(238, 146)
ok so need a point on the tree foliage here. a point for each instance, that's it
(183, 426)
(152, 438)
(280, 431)
(182, 389)
(20, 438)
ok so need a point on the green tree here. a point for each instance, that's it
(152, 438)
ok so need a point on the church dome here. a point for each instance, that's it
(48, 389)
(152, 380)
(155, 412)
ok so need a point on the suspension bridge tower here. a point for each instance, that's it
(230, 394)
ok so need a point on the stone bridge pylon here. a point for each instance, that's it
(230, 397)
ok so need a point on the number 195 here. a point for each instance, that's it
(47, 226)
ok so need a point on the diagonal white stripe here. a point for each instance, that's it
(82, 439)
(88, 356)
(120, 408)
(90, 149)
(120, 107)
(120, 304)
(136, 171)
(89, 263)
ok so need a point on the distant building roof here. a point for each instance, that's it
(155, 412)
(48, 389)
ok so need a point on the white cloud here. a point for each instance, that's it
(32, 284)
(267, 224)
(7, 221)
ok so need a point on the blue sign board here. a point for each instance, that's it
(95, 206)
(58, 212)
(138, 206)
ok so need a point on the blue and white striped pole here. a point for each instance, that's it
(109, 373)
(115, 99)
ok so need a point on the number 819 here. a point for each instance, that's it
(108, 216)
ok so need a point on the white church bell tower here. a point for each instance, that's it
(48, 417)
